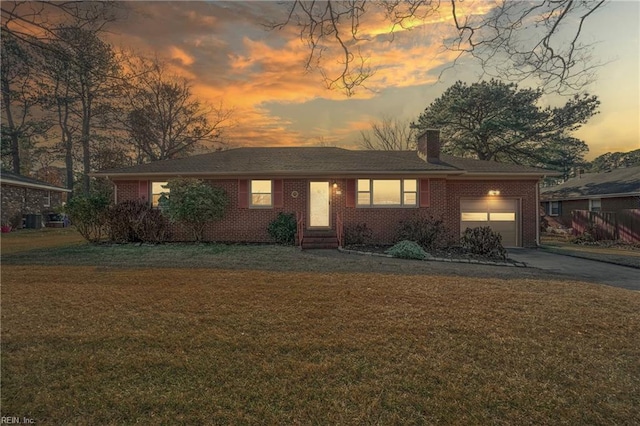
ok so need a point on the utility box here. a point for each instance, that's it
(34, 221)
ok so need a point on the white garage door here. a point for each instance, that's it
(502, 215)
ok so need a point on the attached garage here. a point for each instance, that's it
(502, 215)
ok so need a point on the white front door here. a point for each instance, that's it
(319, 205)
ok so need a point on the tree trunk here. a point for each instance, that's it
(86, 148)
(15, 141)
(68, 159)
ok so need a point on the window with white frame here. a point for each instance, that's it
(595, 205)
(261, 193)
(46, 201)
(387, 192)
(554, 208)
(159, 194)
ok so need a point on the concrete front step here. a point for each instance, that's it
(319, 245)
(316, 242)
(319, 239)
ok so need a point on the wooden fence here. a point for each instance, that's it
(621, 225)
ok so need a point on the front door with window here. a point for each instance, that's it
(319, 205)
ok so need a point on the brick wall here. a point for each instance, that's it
(19, 200)
(523, 190)
(250, 224)
(238, 224)
(384, 221)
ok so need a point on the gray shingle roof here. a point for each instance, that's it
(12, 178)
(314, 161)
(614, 182)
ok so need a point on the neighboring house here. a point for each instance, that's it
(331, 187)
(22, 196)
(610, 191)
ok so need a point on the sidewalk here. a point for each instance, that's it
(613, 256)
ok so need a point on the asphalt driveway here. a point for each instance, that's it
(583, 269)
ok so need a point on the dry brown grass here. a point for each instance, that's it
(24, 240)
(87, 345)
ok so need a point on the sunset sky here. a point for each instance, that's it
(230, 56)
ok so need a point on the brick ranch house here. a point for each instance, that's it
(23, 196)
(610, 191)
(606, 204)
(332, 188)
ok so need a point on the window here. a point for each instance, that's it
(595, 205)
(387, 192)
(261, 193)
(159, 193)
(502, 217)
(474, 216)
(47, 199)
(554, 208)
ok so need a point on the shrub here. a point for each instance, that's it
(283, 229)
(484, 242)
(153, 227)
(357, 234)
(88, 214)
(588, 237)
(194, 203)
(136, 221)
(429, 232)
(407, 250)
(16, 221)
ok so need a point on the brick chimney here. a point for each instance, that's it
(429, 145)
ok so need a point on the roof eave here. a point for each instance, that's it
(328, 174)
(10, 181)
(546, 197)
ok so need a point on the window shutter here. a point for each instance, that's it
(143, 190)
(243, 193)
(425, 193)
(351, 193)
(278, 199)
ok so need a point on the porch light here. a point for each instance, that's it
(494, 192)
(335, 185)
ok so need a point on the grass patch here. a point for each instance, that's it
(87, 345)
(30, 239)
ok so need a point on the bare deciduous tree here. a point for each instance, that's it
(514, 40)
(164, 120)
(389, 134)
(37, 22)
(20, 95)
(85, 72)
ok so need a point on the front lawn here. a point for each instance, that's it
(107, 345)
(29, 239)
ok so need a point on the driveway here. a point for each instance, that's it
(582, 269)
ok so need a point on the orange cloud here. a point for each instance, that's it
(182, 56)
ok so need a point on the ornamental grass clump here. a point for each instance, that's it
(407, 250)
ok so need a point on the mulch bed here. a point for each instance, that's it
(454, 253)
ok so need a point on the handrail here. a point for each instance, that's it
(299, 228)
(339, 229)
